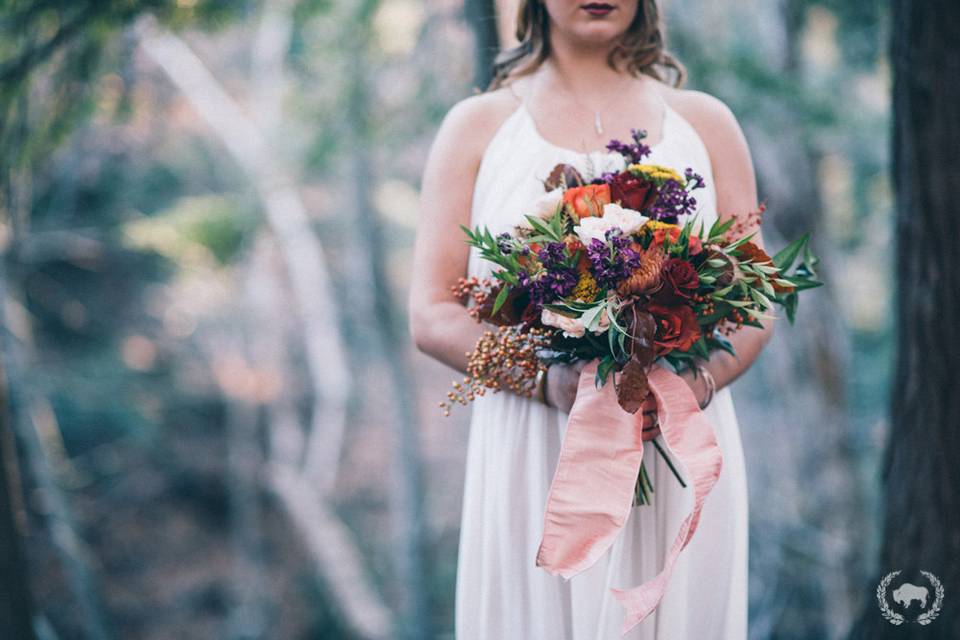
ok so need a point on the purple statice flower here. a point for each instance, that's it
(505, 243)
(614, 260)
(633, 153)
(556, 280)
(694, 180)
(674, 201)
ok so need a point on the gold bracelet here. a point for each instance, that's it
(540, 388)
(701, 370)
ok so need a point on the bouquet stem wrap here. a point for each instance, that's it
(592, 489)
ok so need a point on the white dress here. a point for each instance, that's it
(514, 445)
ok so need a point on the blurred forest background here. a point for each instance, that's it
(206, 218)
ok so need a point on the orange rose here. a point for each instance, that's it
(659, 235)
(588, 200)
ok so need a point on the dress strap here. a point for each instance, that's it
(521, 97)
(664, 117)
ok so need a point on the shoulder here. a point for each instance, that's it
(471, 123)
(733, 172)
(713, 121)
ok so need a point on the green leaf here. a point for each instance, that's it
(720, 228)
(607, 364)
(760, 299)
(501, 298)
(790, 305)
(802, 283)
(733, 245)
(784, 259)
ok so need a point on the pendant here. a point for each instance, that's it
(597, 124)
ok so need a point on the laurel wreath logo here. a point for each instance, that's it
(892, 616)
(895, 618)
(930, 615)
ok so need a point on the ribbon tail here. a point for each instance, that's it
(592, 489)
(692, 439)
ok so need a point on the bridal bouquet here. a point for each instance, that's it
(620, 269)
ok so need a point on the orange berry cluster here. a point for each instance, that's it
(503, 359)
(475, 288)
(707, 304)
(733, 323)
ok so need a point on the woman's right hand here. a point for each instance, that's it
(561, 391)
(562, 382)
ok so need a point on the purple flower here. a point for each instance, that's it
(612, 261)
(505, 243)
(674, 200)
(633, 153)
(556, 280)
(694, 180)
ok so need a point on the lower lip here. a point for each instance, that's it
(598, 11)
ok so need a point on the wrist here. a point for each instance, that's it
(540, 386)
(701, 383)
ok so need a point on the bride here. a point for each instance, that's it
(584, 73)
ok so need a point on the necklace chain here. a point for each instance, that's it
(597, 119)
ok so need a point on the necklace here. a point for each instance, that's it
(597, 120)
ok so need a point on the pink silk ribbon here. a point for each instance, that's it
(592, 490)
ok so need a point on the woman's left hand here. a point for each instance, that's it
(651, 424)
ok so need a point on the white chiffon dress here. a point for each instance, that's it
(514, 445)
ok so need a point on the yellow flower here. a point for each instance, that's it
(656, 172)
(653, 225)
(586, 289)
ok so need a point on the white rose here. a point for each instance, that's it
(572, 327)
(614, 217)
(592, 228)
(543, 207)
(546, 205)
(628, 220)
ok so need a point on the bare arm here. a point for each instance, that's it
(439, 324)
(736, 187)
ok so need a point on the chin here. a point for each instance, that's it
(597, 33)
(606, 23)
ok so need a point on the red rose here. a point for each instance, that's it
(677, 328)
(633, 192)
(679, 282)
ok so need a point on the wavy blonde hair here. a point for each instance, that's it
(642, 47)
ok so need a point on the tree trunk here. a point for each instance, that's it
(481, 15)
(921, 478)
(16, 606)
(303, 489)
(406, 500)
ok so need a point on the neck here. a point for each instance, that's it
(582, 68)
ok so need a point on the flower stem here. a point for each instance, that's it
(669, 463)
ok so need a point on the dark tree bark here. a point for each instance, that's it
(481, 15)
(921, 477)
(16, 606)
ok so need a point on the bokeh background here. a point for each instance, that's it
(215, 425)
